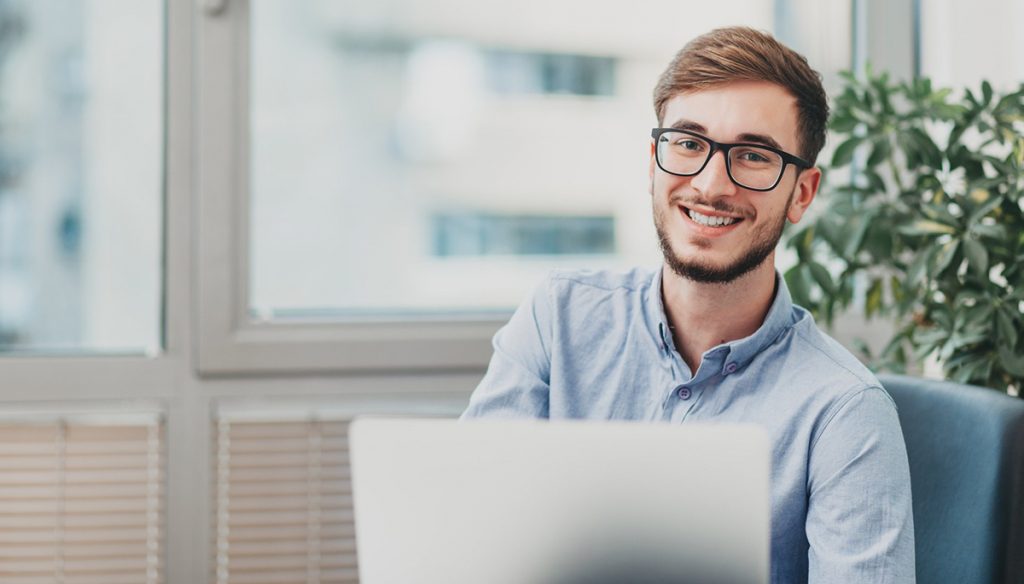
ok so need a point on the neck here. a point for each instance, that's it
(703, 315)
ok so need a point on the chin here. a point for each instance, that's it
(725, 271)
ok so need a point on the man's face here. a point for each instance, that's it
(755, 112)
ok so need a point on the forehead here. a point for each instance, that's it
(730, 110)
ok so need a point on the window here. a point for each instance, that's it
(364, 121)
(82, 464)
(997, 59)
(80, 176)
(521, 73)
(470, 234)
(361, 136)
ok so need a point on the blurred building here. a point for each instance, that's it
(418, 156)
(82, 157)
(405, 157)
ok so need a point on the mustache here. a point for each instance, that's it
(719, 205)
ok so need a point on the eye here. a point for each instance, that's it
(753, 156)
(689, 144)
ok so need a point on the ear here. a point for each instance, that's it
(807, 183)
(650, 171)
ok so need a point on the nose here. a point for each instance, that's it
(714, 179)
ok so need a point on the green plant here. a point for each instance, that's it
(928, 227)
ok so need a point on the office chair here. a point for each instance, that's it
(966, 450)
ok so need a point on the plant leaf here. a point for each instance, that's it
(897, 289)
(844, 152)
(948, 112)
(798, 286)
(945, 256)
(926, 227)
(929, 337)
(977, 257)
(880, 151)
(918, 266)
(963, 339)
(875, 180)
(864, 115)
(1012, 362)
(911, 150)
(873, 301)
(822, 277)
(1007, 332)
(997, 232)
(859, 227)
(843, 123)
(987, 206)
(930, 153)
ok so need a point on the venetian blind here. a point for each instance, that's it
(283, 502)
(81, 500)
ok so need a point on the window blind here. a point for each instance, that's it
(283, 502)
(81, 500)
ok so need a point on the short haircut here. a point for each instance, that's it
(733, 54)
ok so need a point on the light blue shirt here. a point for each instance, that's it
(596, 345)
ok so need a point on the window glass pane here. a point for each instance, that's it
(988, 45)
(80, 175)
(437, 157)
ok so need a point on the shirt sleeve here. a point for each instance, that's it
(860, 524)
(517, 380)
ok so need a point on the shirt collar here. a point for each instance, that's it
(779, 318)
(740, 352)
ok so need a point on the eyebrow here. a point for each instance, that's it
(745, 137)
(761, 139)
(690, 126)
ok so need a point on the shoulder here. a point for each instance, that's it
(581, 284)
(836, 379)
(571, 300)
(600, 281)
(590, 307)
(827, 354)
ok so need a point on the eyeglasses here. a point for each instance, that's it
(751, 166)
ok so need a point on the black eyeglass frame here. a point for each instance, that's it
(787, 158)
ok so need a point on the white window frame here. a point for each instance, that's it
(101, 383)
(229, 341)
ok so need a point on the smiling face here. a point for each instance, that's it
(710, 229)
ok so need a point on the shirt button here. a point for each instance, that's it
(683, 392)
(731, 368)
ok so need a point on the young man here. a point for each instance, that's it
(712, 336)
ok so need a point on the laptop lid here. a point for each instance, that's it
(537, 502)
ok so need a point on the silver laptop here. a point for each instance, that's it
(534, 502)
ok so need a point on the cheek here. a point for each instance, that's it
(767, 215)
(664, 187)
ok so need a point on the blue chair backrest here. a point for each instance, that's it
(966, 450)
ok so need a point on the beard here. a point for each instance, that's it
(765, 240)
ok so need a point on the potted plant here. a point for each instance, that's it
(927, 228)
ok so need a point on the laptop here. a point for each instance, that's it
(538, 502)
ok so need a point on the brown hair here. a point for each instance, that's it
(732, 54)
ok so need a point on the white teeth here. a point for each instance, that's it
(709, 220)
